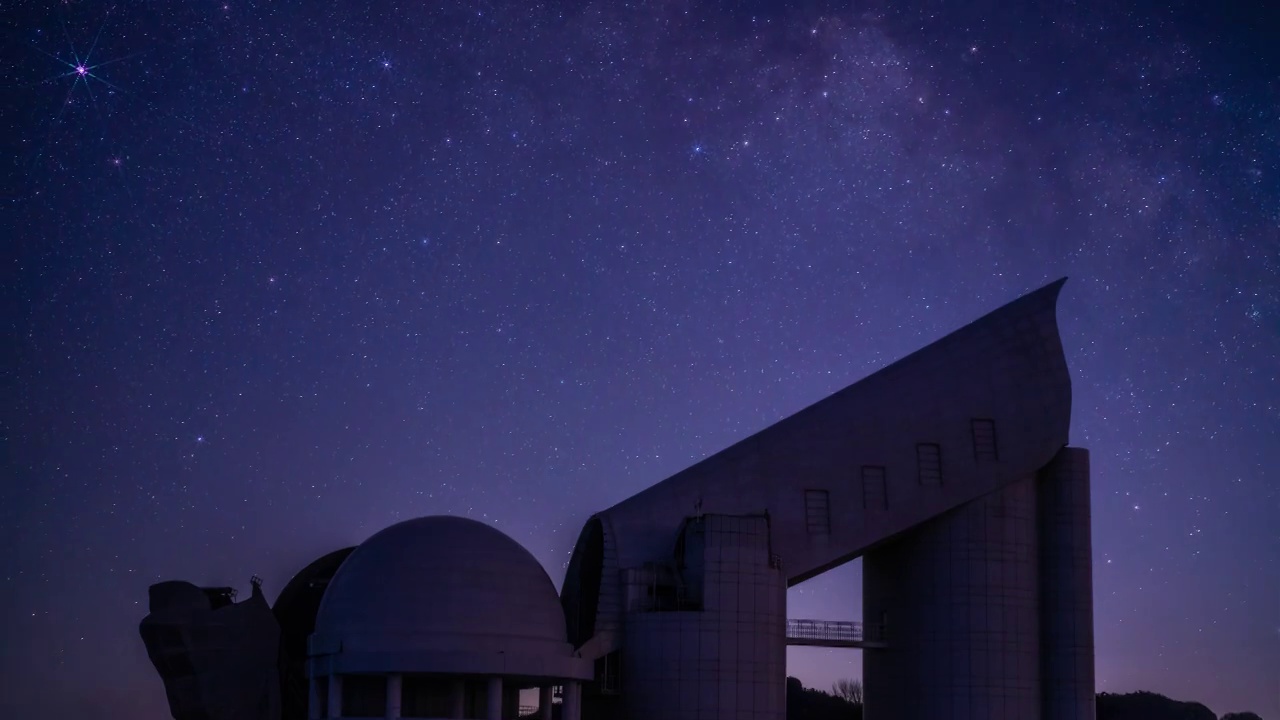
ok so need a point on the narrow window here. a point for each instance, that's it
(608, 672)
(929, 462)
(874, 495)
(984, 440)
(817, 512)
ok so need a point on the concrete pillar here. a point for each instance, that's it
(544, 702)
(511, 698)
(961, 593)
(493, 706)
(571, 707)
(458, 699)
(1066, 587)
(335, 696)
(313, 698)
(394, 683)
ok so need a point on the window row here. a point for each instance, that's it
(875, 493)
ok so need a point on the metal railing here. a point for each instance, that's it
(834, 633)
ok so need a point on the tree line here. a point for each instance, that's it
(844, 702)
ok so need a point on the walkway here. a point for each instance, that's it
(835, 633)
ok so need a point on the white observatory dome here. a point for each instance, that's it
(443, 594)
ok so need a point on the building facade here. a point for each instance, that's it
(948, 472)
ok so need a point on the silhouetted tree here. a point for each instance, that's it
(1241, 716)
(848, 690)
(808, 704)
(1149, 706)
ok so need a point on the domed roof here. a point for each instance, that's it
(424, 591)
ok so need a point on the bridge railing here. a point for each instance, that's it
(842, 631)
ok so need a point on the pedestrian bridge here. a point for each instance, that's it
(835, 633)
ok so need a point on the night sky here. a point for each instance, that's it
(279, 274)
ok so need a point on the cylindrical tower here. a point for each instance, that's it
(959, 599)
(1066, 587)
(716, 649)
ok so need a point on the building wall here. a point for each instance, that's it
(960, 599)
(726, 661)
(1066, 587)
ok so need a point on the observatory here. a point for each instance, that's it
(947, 472)
(440, 617)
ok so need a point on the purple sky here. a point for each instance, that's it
(277, 275)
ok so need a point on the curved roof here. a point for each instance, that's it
(297, 605)
(442, 594)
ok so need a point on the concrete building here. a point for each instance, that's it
(948, 472)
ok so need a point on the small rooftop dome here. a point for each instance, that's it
(443, 594)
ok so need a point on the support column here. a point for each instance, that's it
(544, 702)
(335, 696)
(458, 699)
(313, 698)
(394, 683)
(571, 707)
(961, 593)
(1066, 587)
(493, 708)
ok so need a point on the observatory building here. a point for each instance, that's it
(947, 472)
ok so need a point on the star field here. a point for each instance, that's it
(280, 274)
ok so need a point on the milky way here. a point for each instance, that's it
(294, 272)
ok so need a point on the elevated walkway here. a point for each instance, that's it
(835, 633)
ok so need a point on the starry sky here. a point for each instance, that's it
(279, 274)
